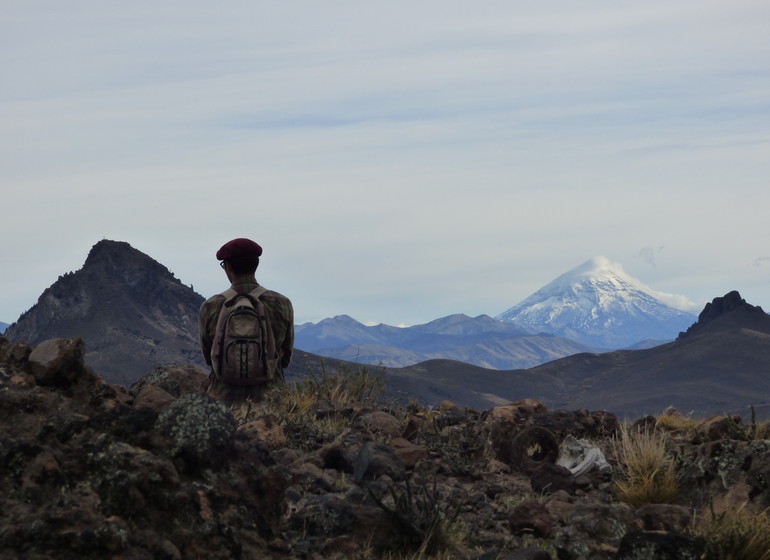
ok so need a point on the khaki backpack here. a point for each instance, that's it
(243, 352)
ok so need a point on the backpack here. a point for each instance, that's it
(243, 352)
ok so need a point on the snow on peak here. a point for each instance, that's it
(598, 298)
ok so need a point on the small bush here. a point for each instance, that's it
(736, 535)
(647, 470)
(427, 519)
(672, 420)
(293, 403)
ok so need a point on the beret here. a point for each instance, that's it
(239, 248)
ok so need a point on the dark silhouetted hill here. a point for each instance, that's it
(721, 364)
(132, 313)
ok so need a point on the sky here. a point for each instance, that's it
(398, 161)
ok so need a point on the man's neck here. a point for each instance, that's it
(243, 279)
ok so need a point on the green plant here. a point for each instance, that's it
(647, 469)
(345, 385)
(427, 527)
(735, 535)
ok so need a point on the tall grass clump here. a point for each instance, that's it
(647, 469)
(735, 535)
(296, 405)
(428, 521)
(673, 420)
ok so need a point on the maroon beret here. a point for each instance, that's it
(239, 248)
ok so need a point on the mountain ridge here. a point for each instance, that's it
(480, 340)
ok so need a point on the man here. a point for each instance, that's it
(239, 259)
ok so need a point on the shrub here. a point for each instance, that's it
(647, 470)
(427, 519)
(672, 420)
(293, 403)
(735, 535)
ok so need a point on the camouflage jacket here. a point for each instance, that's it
(279, 311)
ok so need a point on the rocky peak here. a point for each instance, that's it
(117, 260)
(131, 311)
(729, 311)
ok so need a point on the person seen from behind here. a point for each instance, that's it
(243, 365)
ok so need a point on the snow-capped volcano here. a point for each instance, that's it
(599, 304)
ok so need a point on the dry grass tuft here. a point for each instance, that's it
(673, 421)
(647, 470)
(736, 535)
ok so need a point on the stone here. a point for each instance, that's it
(200, 428)
(379, 422)
(663, 517)
(375, 460)
(153, 397)
(531, 517)
(176, 380)
(549, 478)
(409, 453)
(59, 362)
(516, 412)
(715, 428)
(265, 428)
(579, 423)
(660, 546)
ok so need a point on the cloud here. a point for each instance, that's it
(648, 254)
(398, 161)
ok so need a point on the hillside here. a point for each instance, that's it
(722, 364)
(328, 470)
(132, 312)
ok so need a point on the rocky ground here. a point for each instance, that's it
(92, 470)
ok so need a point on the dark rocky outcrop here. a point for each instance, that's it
(130, 310)
(732, 311)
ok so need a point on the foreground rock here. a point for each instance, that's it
(89, 469)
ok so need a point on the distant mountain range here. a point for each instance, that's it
(594, 307)
(134, 315)
(599, 305)
(481, 341)
(3, 326)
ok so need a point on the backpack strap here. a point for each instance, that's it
(231, 295)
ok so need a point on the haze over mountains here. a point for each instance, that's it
(134, 315)
(482, 341)
(594, 307)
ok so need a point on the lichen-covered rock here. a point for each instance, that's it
(200, 429)
(176, 380)
(639, 545)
